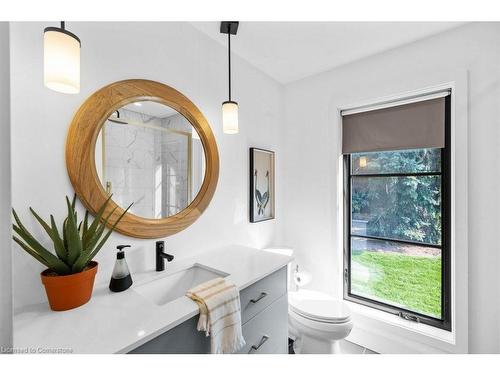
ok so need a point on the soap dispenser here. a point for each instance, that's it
(120, 279)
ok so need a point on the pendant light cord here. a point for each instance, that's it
(63, 25)
(229, 61)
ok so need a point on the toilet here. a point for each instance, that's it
(317, 322)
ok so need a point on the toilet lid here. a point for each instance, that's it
(318, 306)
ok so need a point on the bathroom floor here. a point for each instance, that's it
(347, 347)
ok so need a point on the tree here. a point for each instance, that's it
(407, 207)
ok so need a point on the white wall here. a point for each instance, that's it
(469, 55)
(5, 176)
(173, 53)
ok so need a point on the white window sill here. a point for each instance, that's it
(420, 328)
(388, 333)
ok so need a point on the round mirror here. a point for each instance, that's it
(149, 155)
(147, 144)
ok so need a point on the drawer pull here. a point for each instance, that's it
(262, 295)
(262, 341)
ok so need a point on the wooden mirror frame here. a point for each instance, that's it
(80, 154)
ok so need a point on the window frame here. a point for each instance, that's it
(445, 321)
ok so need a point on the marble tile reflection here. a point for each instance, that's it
(147, 162)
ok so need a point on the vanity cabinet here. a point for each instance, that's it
(264, 316)
(267, 332)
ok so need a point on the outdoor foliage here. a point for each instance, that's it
(408, 207)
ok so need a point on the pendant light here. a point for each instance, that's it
(229, 107)
(61, 60)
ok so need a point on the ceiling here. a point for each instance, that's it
(288, 51)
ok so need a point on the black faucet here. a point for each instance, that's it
(160, 255)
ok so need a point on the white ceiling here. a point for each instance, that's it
(288, 51)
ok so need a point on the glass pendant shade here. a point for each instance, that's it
(61, 60)
(230, 117)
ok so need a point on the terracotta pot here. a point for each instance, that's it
(70, 291)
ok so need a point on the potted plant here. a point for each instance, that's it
(70, 273)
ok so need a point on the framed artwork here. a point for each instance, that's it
(261, 185)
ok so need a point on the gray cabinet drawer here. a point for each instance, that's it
(261, 294)
(267, 333)
(183, 339)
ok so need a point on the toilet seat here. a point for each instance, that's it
(318, 307)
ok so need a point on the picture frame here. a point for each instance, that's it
(262, 185)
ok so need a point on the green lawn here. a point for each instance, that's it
(413, 282)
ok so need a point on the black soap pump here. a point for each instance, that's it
(120, 279)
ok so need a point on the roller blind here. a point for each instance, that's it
(417, 124)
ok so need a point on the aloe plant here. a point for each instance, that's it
(75, 245)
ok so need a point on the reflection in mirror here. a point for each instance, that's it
(149, 154)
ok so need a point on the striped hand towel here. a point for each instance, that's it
(220, 314)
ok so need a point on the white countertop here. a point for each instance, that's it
(119, 322)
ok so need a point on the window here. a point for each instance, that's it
(396, 234)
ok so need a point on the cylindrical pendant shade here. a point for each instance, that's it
(61, 60)
(230, 117)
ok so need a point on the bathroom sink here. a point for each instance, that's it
(168, 288)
